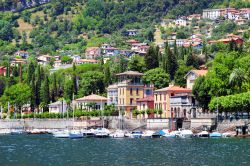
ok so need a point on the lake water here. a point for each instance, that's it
(44, 150)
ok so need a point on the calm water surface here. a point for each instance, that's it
(44, 150)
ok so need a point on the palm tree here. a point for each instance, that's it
(238, 77)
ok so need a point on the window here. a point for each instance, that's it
(165, 97)
(156, 97)
(143, 106)
(131, 101)
(131, 91)
(137, 91)
(160, 97)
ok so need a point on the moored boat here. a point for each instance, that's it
(61, 134)
(203, 134)
(147, 134)
(215, 135)
(5, 131)
(185, 134)
(117, 134)
(102, 133)
(136, 134)
(75, 134)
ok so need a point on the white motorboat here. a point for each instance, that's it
(147, 134)
(172, 134)
(75, 134)
(203, 134)
(102, 133)
(185, 134)
(136, 134)
(5, 131)
(117, 134)
(227, 135)
(16, 131)
(61, 134)
(88, 133)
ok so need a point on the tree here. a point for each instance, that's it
(171, 62)
(18, 95)
(151, 58)
(182, 70)
(137, 63)
(74, 78)
(92, 82)
(45, 93)
(237, 77)
(201, 92)
(66, 59)
(54, 88)
(68, 89)
(158, 77)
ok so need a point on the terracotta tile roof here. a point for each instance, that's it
(92, 49)
(148, 98)
(92, 97)
(174, 89)
(200, 72)
(134, 73)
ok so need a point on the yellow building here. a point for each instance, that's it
(130, 88)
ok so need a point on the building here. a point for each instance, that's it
(192, 75)
(86, 61)
(91, 102)
(3, 70)
(58, 107)
(104, 47)
(111, 51)
(76, 58)
(132, 32)
(145, 103)
(162, 98)
(92, 52)
(245, 13)
(44, 59)
(17, 62)
(22, 54)
(130, 88)
(180, 22)
(212, 14)
(112, 94)
(194, 16)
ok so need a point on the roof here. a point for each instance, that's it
(57, 103)
(197, 72)
(87, 60)
(174, 89)
(92, 97)
(148, 98)
(92, 49)
(114, 86)
(134, 73)
(2, 67)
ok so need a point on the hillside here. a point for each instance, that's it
(75, 24)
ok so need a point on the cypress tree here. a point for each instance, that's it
(172, 64)
(75, 88)
(15, 71)
(54, 88)
(151, 58)
(45, 93)
(33, 91)
(176, 54)
(204, 51)
(38, 85)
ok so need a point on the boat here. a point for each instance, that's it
(75, 134)
(136, 134)
(172, 134)
(16, 131)
(203, 134)
(156, 135)
(227, 135)
(102, 133)
(88, 133)
(5, 131)
(185, 134)
(37, 131)
(117, 134)
(215, 135)
(147, 134)
(61, 134)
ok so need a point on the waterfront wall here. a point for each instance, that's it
(155, 124)
(49, 123)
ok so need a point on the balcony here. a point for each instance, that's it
(183, 100)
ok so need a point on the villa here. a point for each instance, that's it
(91, 102)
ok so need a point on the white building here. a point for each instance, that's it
(180, 22)
(212, 13)
(91, 102)
(58, 107)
